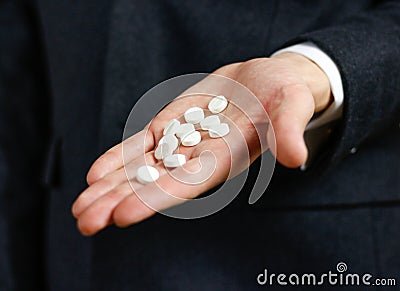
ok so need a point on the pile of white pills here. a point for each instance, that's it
(188, 135)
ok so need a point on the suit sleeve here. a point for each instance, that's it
(23, 138)
(366, 49)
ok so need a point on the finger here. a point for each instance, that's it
(95, 190)
(115, 157)
(114, 179)
(168, 191)
(99, 213)
(109, 182)
(289, 121)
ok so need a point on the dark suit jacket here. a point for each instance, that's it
(70, 72)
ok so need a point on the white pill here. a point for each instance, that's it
(171, 140)
(218, 104)
(171, 127)
(209, 121)
(184, 129)
(194, 115)
(174, 161)
(147, 174)
(218, 130)
(191, 139)
(163, 150)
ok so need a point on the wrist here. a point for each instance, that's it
(313, 76)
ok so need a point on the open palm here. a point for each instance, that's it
(115, 196)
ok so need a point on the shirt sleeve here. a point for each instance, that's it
(365, 47)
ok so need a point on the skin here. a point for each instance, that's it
(290, 87)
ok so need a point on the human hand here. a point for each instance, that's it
(290, 89)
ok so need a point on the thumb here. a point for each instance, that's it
(294, 107)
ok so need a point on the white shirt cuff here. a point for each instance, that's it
(311, 51)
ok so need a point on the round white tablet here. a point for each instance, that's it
(218, 130)
(191, 139)
(194, 115)
(209, 121)
(147, 174)
(218, 104)
(171, 127)
(163, 150)
(184, 129)
(174, 161)
(171, 140)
